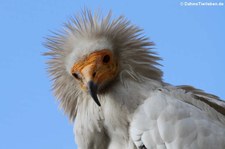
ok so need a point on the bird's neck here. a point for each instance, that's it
(132, 93)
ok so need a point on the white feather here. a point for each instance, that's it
(172, 119)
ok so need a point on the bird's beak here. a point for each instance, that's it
(92, 89)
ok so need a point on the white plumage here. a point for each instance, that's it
(111, 62)
(168, 119)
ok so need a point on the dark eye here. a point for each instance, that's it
(76, 75)
(106, 59)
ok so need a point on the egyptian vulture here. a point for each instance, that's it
(106, 78)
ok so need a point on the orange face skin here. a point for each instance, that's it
(99, 67)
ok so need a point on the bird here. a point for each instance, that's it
(106, 76)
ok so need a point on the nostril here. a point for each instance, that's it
(94, 74)
(76, 75)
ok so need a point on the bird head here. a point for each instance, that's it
(93, 53)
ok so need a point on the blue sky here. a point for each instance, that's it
(189, 39)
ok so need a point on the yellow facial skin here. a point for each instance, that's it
(99, 67)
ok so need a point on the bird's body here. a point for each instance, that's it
(167, 118)
(132, 108)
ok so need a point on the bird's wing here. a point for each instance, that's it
(212, 100)
(173, 118)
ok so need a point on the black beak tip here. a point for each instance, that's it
(93, 88)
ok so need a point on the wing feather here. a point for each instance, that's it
(210, 99)
(174, 118)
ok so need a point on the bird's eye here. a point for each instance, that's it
(76, 75)
(106, 59)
